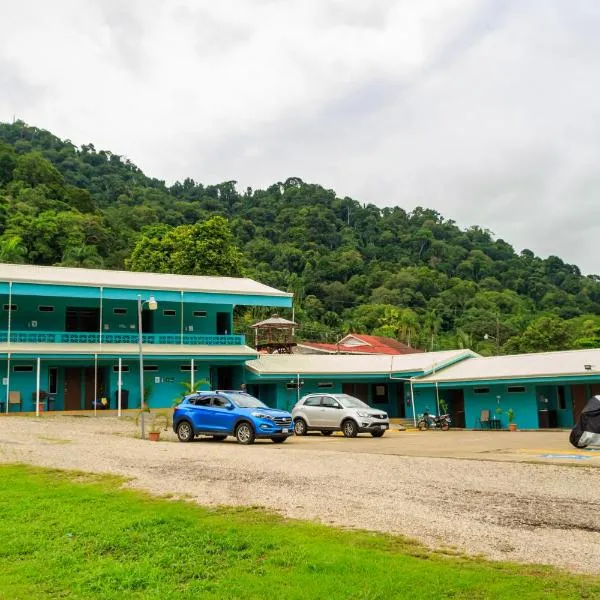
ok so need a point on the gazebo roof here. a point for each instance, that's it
(275, 322)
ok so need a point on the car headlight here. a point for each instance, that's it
(364, 415)
(260, 415)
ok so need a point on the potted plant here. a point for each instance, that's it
(157, 422)
(510, 413)
(154, 434)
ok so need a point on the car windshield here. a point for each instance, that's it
(246, 400)
(351, 402)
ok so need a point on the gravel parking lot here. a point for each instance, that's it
(476, 491)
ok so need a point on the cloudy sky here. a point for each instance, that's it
(485, 110)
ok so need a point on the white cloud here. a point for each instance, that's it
(485, 111)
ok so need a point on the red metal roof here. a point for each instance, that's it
(374, 344)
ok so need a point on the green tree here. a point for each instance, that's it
(545, 334)
(204, 248)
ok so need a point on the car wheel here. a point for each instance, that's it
(218, 438)
(378, 433)
(349, 428)
(327, 432)
(300, 427)
(185, 431)
(244, 433)
(279, 439)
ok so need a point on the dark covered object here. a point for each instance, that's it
(587, 428)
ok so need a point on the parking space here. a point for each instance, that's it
(519, 446)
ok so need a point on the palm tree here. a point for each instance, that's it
(433, 323)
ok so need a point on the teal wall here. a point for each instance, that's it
(164, 384)
(27, 317)
(277, 395)
(524, 404)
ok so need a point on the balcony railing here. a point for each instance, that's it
(70, 337)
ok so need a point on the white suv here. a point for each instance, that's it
(338, 412)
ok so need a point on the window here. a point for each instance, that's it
(124, 369)
(562, 403)
(313, 401)
(45, 308)
(187, 368)
(220, 402)
(329, 402)
(324, 384)
(169, 312)
(11, 307)
(200, 313)
(291, 386)
(481, 390)
(120, 311)
(150, 367)
(53, 380)
(515, 389)
(23, 368)
(200, 400)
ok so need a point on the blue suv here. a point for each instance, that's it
(222, 413)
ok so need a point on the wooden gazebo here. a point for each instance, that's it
(274, 335)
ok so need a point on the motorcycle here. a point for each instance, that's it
(427, 421)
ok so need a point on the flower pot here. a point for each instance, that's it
(512, 426)
(153, 436)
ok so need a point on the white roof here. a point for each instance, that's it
(134, 280)
(127, 349)
(515, 366)
(318, 364)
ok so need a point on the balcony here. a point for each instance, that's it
(73, 337)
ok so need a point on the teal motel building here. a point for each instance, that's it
(70, 337)
(383, 381)
(544, 390)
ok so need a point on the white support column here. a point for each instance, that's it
(437, 398)
(96, 384)
(101, 312)
(192, 377)
(181, 327)
(9, 310)
(37, 388)
(412, 400)
(119, 386)
(7, 379)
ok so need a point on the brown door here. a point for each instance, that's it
(73, 388)
(456, 408)
(90, 381)
(580, 399)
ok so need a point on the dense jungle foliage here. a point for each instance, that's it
(352, 267)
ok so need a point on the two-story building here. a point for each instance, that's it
(69, 336)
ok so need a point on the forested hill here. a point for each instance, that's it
(353, 267)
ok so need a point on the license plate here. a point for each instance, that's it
(284, 431)
(383, 427)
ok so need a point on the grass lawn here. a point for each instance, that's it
(65, 534)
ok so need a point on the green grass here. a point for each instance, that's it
(65, 534)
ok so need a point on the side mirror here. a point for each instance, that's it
(229, 406)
